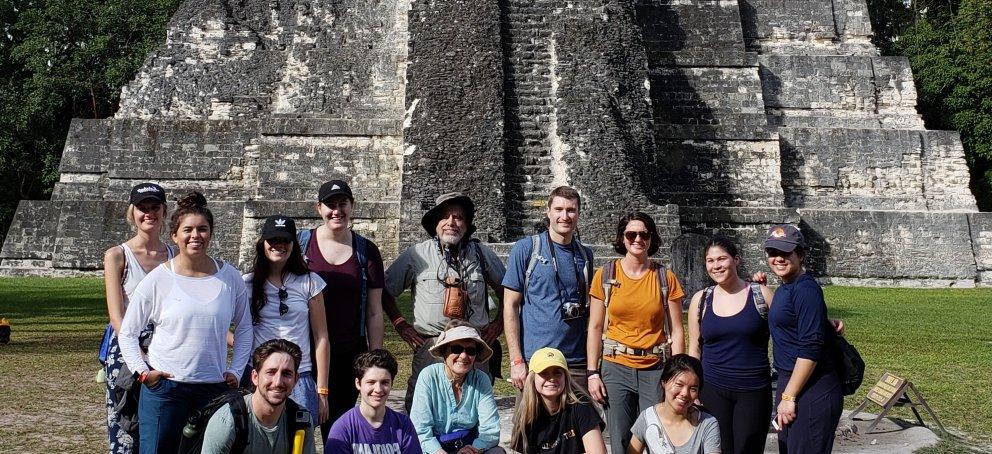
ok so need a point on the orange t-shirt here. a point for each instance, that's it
(637, 316)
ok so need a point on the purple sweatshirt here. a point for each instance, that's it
(351, 433)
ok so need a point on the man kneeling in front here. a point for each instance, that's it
(271, 429)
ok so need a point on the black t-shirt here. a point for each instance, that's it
(562, 433)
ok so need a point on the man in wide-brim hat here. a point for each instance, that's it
(448, 274)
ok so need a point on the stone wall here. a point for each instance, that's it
(713, 116)
(453, 136)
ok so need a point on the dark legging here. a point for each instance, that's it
(743, 416)
(818, 410)
(341, 381)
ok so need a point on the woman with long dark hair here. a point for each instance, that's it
(287, 303)
(124, 266)
(635, 325)
(192, 301)
(728, 331)
(676, 425)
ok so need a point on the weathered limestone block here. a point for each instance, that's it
(691, 33)
(453, 133)
(981, 243)
(945, 172)
(890, 247)
(719, 173)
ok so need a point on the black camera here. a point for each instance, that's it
(573, 310)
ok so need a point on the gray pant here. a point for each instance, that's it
(422, 358)
(629, 391)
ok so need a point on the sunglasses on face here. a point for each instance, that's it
(633, 235)
(458, 349)
(283, 307)
(777, 253)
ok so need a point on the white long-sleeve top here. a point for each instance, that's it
(191, 316)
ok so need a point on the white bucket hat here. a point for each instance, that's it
(459, 333)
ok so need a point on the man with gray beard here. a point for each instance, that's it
(448, 275)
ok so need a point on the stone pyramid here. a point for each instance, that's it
(711, 115)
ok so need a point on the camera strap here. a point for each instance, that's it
(579, 280)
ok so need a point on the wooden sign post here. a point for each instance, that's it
(892, 391)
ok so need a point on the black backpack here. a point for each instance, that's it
(850, 366)
(196, 424)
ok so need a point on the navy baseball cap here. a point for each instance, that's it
(147, 191)
(279, 226)
(785, 238)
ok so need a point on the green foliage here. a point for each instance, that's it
(949, 45)
(61, 59)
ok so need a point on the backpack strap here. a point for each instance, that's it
(535, 253)
(126, 261)
(239, 412)
(759, 300)
(609, 281)
(360, 244)
(662, 275)
(303, 238)
(297, 418)
(704, 303)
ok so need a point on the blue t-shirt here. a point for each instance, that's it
(540, 311)
(799, 325)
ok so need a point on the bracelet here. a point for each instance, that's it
(788, 397)
(517, 361)
(594, 376)
(142, 377)
(323, 391)
(398, 320)
(591, 372)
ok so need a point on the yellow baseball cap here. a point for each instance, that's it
(547, 357)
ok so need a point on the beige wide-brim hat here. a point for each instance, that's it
(460, 333)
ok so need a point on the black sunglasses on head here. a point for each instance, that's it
(458, 349)
(283, 307)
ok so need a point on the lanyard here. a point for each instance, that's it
(575, 267)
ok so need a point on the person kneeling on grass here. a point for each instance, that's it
(276, 365)
(551, 418)
(372, 427)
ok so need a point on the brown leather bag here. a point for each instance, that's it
(455, 298)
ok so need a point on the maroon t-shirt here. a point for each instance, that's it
(343, 293)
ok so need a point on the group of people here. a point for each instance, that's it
(306, 324)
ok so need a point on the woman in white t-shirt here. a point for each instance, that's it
(676, 425)
(287, 303)
(192, 301)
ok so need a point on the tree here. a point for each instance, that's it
(950, 50)
(61, 59)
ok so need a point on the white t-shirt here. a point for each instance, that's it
(294, 326)
(192, 316)
(705, 438)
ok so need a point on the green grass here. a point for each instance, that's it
(939, 339)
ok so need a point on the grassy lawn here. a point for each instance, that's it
(939, 339)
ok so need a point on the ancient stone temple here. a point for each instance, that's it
(711, 115)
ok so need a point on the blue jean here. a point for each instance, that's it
(818, 409)
(305, 395)
(164, 408)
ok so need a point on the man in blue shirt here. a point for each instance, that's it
(546, 291)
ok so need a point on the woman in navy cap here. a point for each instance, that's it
(809, 395)
(124, 266)
(287, 303)
(351, 265)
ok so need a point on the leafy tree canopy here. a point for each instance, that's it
(61, 59)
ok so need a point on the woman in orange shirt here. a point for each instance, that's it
(642, 316)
